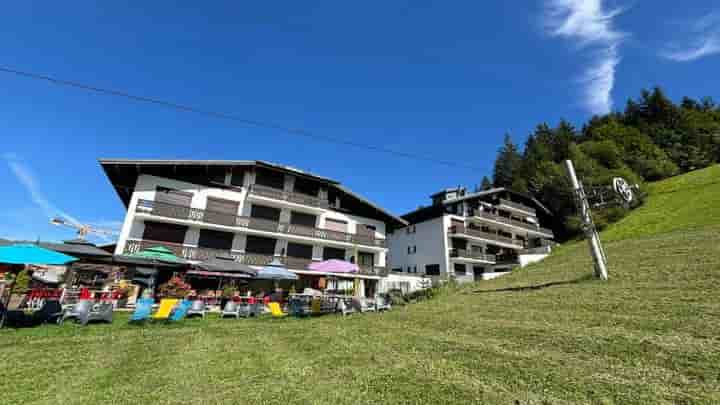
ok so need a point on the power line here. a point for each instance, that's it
(230, 117)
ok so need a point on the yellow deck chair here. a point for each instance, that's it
(166, 307)
(275, 310)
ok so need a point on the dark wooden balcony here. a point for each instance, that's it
(468, 254)
(220, 218)
(462, 230)
(513, 222)
(294, 197)
(517, 206)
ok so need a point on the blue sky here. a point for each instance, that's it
(433, 78)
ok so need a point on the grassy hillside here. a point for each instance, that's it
(546, 334)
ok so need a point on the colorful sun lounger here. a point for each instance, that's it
(143, 309)
(166, 307)
(180, 310)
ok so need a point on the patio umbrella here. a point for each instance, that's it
(334, 266)
(159, 254)
(226, 264)
(32, 254)
(275, 271)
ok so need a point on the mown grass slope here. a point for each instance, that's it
(545, 334)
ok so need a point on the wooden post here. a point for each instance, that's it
(596, 250)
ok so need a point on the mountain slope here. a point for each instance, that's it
(547, 334)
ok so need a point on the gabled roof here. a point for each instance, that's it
(495, 191)
(123, 174)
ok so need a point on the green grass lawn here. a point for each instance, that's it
(546, 334)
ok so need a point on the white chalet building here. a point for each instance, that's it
(254, 211)
(470, 236)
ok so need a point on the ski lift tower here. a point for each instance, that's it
(591, 234)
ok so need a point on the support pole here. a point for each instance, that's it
(596, 250)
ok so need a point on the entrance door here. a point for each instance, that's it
(478, 272)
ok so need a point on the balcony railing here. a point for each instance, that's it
(468, 254)
(517, 206)
(220, 218)
(512, 222)
(253, 259)
(462, 230)
(298, 198)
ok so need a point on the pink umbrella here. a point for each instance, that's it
(334, 266)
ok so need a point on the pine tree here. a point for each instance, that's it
(508, 164)
(486, 184)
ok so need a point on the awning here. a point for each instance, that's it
(226, 264)
(334, 266)
(275, 271)
(32, 254)
(218, 274)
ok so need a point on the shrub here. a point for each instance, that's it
(176, 287)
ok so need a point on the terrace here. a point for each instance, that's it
(477, 233)
(485, 215)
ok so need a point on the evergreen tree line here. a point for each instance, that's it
(652, 139)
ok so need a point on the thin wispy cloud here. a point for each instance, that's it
(590, 26)
(27, 179)
(704, 40)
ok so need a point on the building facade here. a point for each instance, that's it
(471, 236)
(257, 212)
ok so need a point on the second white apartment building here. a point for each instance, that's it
(471, 236)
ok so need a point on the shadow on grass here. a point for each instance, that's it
(582, 279)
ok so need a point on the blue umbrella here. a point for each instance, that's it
(32, 254)
(275, 271)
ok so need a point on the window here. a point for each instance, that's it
(414, 249)
(269, 178)
(302, 219)
(432, 269)
(335, 225)
(333, 253)
(222, 212)
(260, 245)
(237, 177)
(409, 250)
(216, 174)
(215, 239)
(410, 229)
(414, 269)
(397, 269)
(409, 269)
(299, 250)
(174, 197)
(263, 212)
(365, 259)
(164, 232)
(307, 187)
(460, 269)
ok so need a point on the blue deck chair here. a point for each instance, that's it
(143, 309)
(180, 310)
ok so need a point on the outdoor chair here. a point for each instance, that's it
(143, 309)
(382, 303)
(197, 307)
(344, 307)
(276, 311)
(77, 312)
(180, 310)
(363, 305)
(165, 309)
(100, 312)
(231, 308)
(50, 311)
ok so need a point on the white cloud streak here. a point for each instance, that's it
(27, 179)
(705, 41)
(590, 25)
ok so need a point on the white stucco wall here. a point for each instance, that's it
(531, 258)
(430, 241)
